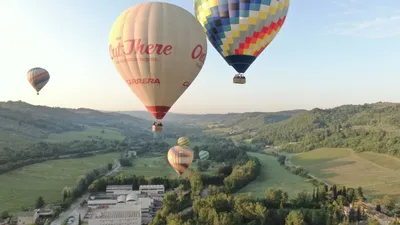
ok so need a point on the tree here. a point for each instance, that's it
(360, 194)
(373, 222)
(295, 218)
(5, 214)
(203, 165)
(196, 184)
(276, 196)
(39, 202)
(66, 192)
(109, 165)
(359, 215)
(388, 202)
(334, 192)
(181, 189)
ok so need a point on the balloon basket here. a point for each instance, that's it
(239, 80)
(157, 128)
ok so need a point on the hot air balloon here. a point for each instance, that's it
(158, 49)
(204, 155)
(180, 158)
(38, 78)
(183, 141)
(241, 30)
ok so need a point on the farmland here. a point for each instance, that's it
(378, 174)
(87, 134)
(22, 187)
(274, 175)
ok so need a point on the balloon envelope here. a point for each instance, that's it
(183, 141)
(204, 155)
(38, 78)
(180, 158)
(158, 49)
(241, 30)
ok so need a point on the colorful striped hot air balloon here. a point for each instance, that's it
(158, 49)
(204, 155)
(241, 29)
(180, 158)
(183, 141)
(38, 78)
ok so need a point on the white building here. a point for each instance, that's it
(122, 214)
(121, 199)
(152, 189)
(100, 203)
(119, 189)
(132, 153)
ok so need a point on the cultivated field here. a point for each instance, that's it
(377, 174)
(22, 187)
(274, 175)
(87, 134)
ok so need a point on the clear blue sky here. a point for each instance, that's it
(327, 54)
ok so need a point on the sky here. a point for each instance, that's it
(328, 53)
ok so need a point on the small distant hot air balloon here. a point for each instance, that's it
(158, 49)
(204, 155)
(240, 30)
(183, 141)
(38, 78)
(180, 158)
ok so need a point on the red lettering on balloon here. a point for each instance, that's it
(198, 53)
(136, 47)
(186, 84)
(143, 81)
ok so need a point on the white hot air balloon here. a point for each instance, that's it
(158, 49)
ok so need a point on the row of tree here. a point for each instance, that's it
(11, 159)
(100, 184)
(275, 209)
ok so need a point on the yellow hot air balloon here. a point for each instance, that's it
(180, 158)
(158, 49)
(38, 78)
(183, 141)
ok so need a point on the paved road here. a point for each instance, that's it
(75, 208)
(116, 169)
(72, 211)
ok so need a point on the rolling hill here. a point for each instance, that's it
(224, 124)
(22, 123)
(368, 127)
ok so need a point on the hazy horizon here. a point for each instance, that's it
(144, 110)
(327, 54)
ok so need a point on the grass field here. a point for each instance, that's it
(149, 167)
(378, 174)
(274, 175)
(157, 166)
(22, 187)
(87, 134)
(172, 142)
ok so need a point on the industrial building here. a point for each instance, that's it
(123, 214)
(119, 189)
(104, 207)
(152, 189)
